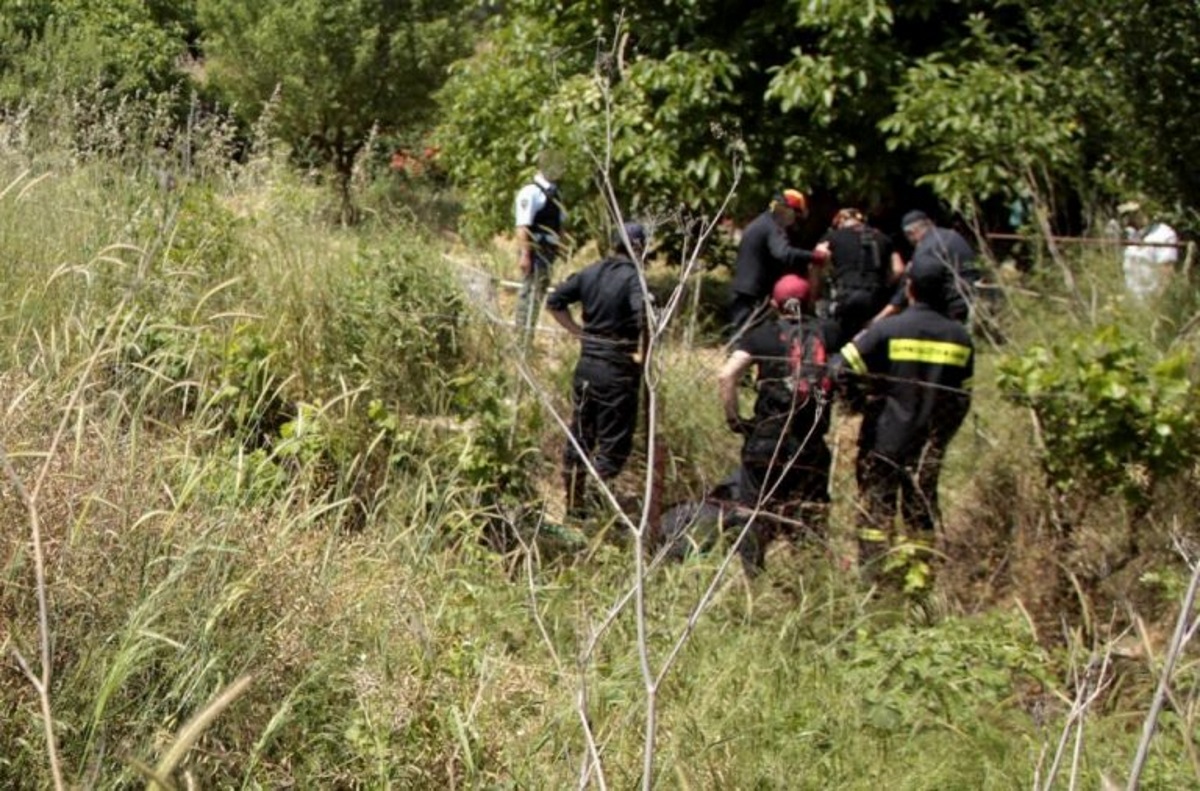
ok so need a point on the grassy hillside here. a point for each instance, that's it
(242, 444)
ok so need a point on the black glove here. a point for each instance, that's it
(739, 426)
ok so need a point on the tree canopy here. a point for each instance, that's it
(341, 69)
(974, 100)
(968, 101)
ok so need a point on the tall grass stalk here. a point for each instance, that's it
(267, 447)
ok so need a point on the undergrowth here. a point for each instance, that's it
(299, 453)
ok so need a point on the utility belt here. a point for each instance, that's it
(620, 351)
(844, 299)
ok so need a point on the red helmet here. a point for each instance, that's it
(789, 287)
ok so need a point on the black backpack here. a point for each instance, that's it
(549, 217)
(807, 363)
(868, 274)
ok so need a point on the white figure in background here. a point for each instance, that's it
(1148, 267)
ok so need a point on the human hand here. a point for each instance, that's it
(737, 425)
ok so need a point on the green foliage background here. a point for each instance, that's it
(281, 446)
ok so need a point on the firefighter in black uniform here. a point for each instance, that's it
(785, 460)
(917, 368)
(862, 273)
(765, 255)
(604, 392)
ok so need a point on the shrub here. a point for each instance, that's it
(1113, 413)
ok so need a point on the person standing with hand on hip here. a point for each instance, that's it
(606, 385)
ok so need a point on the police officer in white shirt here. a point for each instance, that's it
(539, 220)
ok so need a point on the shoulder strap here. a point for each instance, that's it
(869, 265)
(808, 362)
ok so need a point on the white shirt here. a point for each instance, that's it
(530, 200)
(1146, 267)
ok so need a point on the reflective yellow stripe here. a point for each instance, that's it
(934, 352)
(854, 359)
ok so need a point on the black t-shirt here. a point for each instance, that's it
(610, 292)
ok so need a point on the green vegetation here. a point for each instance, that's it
(280, 499)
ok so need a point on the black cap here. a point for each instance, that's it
(912, 218)
(928, 278)
(636, 234)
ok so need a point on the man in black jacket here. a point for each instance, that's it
(947, 250)
(916, 371)
(604, 393)
(765, 255)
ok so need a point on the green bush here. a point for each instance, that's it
(1113, 412)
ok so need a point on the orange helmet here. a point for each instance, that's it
(794, 200)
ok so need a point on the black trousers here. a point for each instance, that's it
(852, 311)
(912, 482)
(741, 311)
(778, 474)
(604, 397)
(784, 477)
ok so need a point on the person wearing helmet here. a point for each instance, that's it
(764, 255)
(862, 273)
(915, 369)
(785, 459)
(604, 392)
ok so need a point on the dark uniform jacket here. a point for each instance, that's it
(764, 255)
(953, 253)
(610, 293)
(859, 273)
(919, 365)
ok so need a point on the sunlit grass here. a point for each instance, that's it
(254, 486)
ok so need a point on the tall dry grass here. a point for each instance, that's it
(282, 447)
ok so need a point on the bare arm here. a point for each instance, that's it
(566, 321)
(727, 382)
(524, 249)
(890, 310)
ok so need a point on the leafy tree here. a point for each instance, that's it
(1131, 68)
(983, 120)
(342, 69)
(787, 91)
(66, 48)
